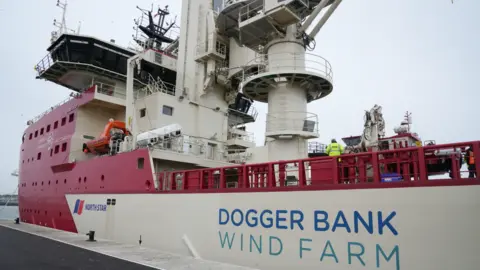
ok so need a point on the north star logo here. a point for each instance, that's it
(78, 207)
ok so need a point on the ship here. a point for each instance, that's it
(152, 148)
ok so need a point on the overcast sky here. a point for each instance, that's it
(416, 55)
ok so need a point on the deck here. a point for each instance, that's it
(28, 246)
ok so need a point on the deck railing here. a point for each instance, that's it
(406, 167)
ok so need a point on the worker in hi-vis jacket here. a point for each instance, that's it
(470, 160)
(334, 149)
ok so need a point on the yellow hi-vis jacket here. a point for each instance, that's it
(334, 149)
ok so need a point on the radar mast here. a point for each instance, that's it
(150, 34)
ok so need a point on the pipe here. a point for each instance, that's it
(324, 19)
(129, 98)
(313, 16)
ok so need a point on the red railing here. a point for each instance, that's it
(412, 166)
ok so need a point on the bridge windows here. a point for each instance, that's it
(55, 125)
(41, 131)
(143, 112)
(64, 147)
(30, 136)
(39, 155)
(57, 147)
(48, 128)
(64, 121)
(71, 117)
(36, 133)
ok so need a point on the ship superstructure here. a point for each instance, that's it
(152, 144)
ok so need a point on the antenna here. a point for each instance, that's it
(62, 26)
(408, 119)
(150, 34)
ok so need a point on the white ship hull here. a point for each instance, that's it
(410, 228)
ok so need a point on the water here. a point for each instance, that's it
(8, 212)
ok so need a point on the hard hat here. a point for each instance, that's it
(334, 141)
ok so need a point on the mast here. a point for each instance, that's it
(62, 25)
(154, 35)
(287, 78)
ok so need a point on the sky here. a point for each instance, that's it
(417, 56)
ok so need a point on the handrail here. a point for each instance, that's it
(45, 63)
(235, 133)
(406, 167)
(110, 90)
(252, 111)
(38, 117)
(286, 61)
(316, 147)
(100, 88)
(247, 10)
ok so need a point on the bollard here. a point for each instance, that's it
(17, 220)
(91, 236)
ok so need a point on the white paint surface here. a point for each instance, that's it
(437, 227)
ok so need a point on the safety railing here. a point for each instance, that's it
(193, 146)
(406, 167)
(252, 111)
(44, 64)
(250, 10)
(292, 121)
(238, 156)
(316, 147)
(155, 86)
(238, 134)
(38, 117)
(110, 90)
(287, 62)
(101, 88)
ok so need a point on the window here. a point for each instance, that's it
(64, 121)
(167, 110)
(48, 128)
(39, 156)
(64, 147)
(57, 147)
(30, 136)
(70, 117)
(55, 125)
(41, 131)
(143, 112)
(36, 133)
(140, 163)
(51, 152)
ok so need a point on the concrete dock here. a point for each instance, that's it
(26, 246)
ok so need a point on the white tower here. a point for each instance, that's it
(285, 77)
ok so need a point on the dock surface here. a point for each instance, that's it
(26, 246)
